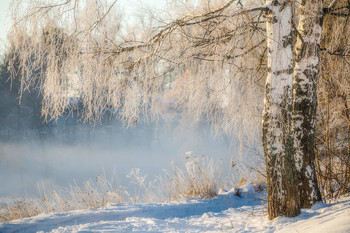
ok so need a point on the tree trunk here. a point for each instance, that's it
(282, 189)
(305, 98)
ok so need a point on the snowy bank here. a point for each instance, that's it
(226, 213)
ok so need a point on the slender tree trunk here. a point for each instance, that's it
(306, 72)
(282, 189)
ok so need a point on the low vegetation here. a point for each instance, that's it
(200, 178)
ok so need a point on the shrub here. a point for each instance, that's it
(200, 178)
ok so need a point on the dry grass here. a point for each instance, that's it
(91, 195)
(200, 178)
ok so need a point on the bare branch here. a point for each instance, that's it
(335, 53)
(332, 4)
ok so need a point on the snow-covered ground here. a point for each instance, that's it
(226, 213)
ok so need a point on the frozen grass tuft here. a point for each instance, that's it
(91, 195)
(200, 178)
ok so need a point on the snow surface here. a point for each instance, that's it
(226, 213)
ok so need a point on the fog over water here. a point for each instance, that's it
(86, 152)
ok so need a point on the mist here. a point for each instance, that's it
(78, 155)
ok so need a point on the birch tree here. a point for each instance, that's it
(211, 56)
(282, 186)
(305, 74)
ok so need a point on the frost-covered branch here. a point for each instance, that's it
(82, 60)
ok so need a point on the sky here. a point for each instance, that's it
(4, 21)
(129, 7)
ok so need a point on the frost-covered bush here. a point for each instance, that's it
(201, 178)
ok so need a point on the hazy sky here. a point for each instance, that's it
(4, 20)
(129, 6)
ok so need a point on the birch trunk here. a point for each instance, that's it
(282, 191)
(305, 99)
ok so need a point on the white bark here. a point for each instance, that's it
(276, 116)
(305, 100)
